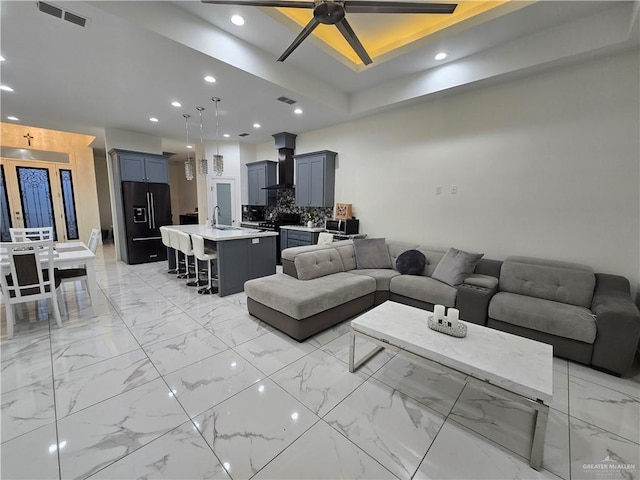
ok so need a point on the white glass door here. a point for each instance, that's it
(222, 193)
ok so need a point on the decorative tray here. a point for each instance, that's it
(459, 330)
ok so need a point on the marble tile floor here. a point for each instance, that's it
(152, 380)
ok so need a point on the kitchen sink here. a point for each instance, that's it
(226, 227)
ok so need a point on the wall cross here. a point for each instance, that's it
(28, 137)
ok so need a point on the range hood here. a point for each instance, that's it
(285, 144)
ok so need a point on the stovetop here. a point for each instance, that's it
(280, 220)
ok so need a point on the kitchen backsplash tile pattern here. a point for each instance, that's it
(286, 203)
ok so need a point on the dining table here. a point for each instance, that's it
(66, 255)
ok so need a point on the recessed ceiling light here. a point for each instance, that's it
(441, 56)
(11, 117)
(237, 20)
(298, 111)
(209, 79)
(226, 135)
(189, 146)
(176, 104)
(256, 125)
(153, 119)
(2, 58)
(6, 88)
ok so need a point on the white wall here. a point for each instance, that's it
(231, 153)
(546, 166)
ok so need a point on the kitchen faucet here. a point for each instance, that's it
(215, 217)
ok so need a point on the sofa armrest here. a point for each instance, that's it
(617, 322)
(473, 298)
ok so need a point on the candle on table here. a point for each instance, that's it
(453, 314)
(438, 313)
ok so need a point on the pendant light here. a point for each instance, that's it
(203, 163)
(188, 165)
(218, 162)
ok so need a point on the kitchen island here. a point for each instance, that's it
(243, 253)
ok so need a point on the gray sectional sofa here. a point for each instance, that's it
(587, 317)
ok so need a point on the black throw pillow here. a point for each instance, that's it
(411, 262)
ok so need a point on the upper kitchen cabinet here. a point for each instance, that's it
(315, 179)
(141, 167)
(261, 174)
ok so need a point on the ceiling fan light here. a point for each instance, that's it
(441, 56)
(237, 19)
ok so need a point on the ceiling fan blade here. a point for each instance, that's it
(263, 3)
(306, 31)
(372, 6)
(350, 36)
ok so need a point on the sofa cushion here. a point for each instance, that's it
(371, 253)
(411, 262)
(424, 288)
(382, 276)
(318, 263)
(348, 254)
(560, 319)
(552, 280)
(300, 299)
(455, 266)
(398, 248)
(291, 253)
(433, 256)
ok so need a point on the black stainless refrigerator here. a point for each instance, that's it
(147, 207)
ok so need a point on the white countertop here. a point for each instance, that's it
(211, 233)
(303, 229)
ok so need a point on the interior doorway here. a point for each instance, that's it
(222, 193)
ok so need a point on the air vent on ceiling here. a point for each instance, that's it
(58, 12)
(288, 101)
(50, 9)
(73, 18)
(243, 135)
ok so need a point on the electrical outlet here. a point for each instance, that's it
(454, 189)
(438, 189)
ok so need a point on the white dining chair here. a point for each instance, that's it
(21, 234)
(30, 278)
(74, 274)
(94, 237)
(204, 256)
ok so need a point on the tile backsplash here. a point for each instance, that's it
(286, 203)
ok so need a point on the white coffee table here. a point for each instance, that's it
(517, 368)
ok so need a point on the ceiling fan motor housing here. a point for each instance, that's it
(329, 13)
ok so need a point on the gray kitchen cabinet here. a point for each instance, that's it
(315, 179)
(243, 259)
(261, 174)
(296, 238)
(142, 167)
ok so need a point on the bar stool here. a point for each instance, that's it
(187, 250)
(174, 237)
(199, 252)
(166, 241)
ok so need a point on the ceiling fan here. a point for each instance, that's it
(333, 12)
